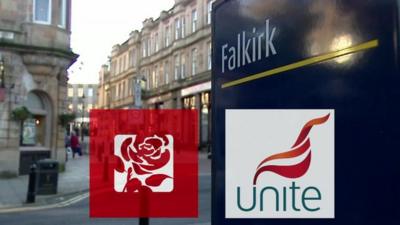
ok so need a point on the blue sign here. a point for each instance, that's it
(306, 115)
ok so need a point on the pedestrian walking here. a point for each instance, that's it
(75, 145)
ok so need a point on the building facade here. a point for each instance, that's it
(35, 55)
(166, 65)
(81, 99)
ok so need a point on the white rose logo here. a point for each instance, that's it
(144, 166)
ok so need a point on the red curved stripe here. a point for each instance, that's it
(292, 171)
(307, 128)
(299, 147)
(289, 154)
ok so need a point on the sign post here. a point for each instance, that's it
(138, 93)
(305, 107)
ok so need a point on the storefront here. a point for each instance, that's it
(161, 102)
(198, 97)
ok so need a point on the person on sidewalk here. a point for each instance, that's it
(76, 148)
(67, 142)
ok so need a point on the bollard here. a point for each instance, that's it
(30, 198)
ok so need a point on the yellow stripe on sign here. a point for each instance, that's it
(302, 63)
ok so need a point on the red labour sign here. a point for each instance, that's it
(144, 167)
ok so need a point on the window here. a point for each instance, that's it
(42, 11)
(121, 64)
(183, 66)
(176, 68)
(161, 75)
(89, 107)
(151, 45)
(125, 85)
(90, 92)
(147, 76)
(167, 36)
(121, 90)
(113, 67)
(62, 7)
(209, 55)
(154, 78)
(177, 29)
(194, 61)
(132, 58)
(70, 92)
(144, 48)
(80, 92)
(209, 9)
(166, 72)
(117, 87)
(112, 93)
(183, 26)
(115, 93)
(149, 51)
(131, 88)
(117, 66)
(156, 42)
(80, 107)
(194, 20)
(126, 61)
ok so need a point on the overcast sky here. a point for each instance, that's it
(99, 24)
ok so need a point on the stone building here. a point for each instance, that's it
(35, 55)
(81, 99)
(171, 60)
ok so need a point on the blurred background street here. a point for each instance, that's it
(60, 59)
(51, 210)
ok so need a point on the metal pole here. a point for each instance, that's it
(144, 207)
(83, 115)
(138, 105)
(30, 198)
(143, 221)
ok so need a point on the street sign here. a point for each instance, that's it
(305, 112)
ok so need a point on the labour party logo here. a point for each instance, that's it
(289, 166)
(144, 164)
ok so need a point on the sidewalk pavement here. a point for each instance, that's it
(74, 180)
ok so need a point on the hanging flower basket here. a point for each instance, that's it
(65, 119)
(20, 114)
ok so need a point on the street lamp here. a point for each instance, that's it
(83, 115)
(2, 84)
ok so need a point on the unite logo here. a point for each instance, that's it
(144, 165)
(294, 183)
